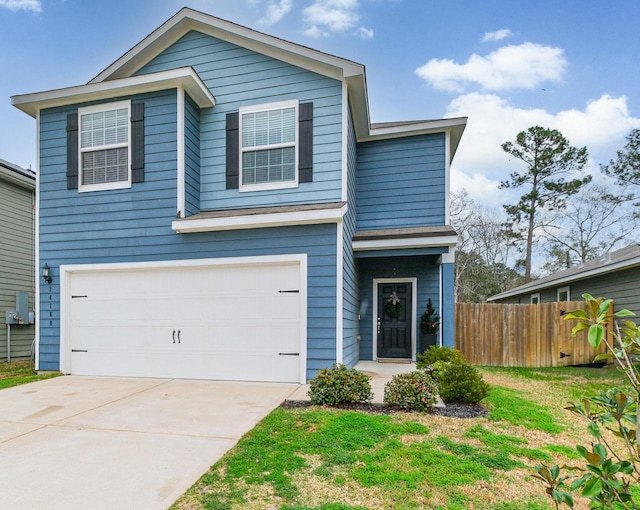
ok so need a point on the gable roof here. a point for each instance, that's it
(186, 20)
(185, 77)
(17, 175)
(625, 258)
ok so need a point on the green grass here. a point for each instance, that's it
(323, 459)
(512, 406)
(20, 372)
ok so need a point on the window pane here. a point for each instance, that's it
(272, 165)
(289, 125)
(269, 127)
(104, 166)
(248, 129)
(104, 128)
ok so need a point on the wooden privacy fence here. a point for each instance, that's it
(510, 335)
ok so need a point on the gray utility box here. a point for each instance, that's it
(21, 315)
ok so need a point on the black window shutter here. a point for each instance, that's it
(233, 150)
(305, 151)
(72, 151)
(137, 142)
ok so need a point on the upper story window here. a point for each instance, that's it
(535, 299)
(268, 146)
(105, 143)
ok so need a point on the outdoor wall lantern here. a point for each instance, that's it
(45, 273)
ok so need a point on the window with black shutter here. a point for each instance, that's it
(105, 146)
(270, 146)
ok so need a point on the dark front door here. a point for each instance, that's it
(394, 320)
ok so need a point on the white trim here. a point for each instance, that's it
(425, 127)
(535, 295)
(39, 315)
(180, 156)
(67, 270)
(339, 292)
(407, 242)
(263, 186)
(187, 19)
(414, 312)
(447, 179)
(312, 217)
(19, 179)
(448, 258)
(345, 144)
(566, 289)
(97, 108)
(440, 297)
(153, 82)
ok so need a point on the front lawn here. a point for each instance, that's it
(20, 372)
(325, 459)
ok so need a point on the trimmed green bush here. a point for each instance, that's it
(340, 385)
(436, 353)
(459, 382)
(413, 391)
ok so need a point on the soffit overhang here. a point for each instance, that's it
(184, 77)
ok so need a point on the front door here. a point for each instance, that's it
(394, 320)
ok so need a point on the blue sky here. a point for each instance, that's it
(572, 65)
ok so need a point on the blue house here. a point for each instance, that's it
(216, 204)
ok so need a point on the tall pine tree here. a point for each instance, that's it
(550, 160)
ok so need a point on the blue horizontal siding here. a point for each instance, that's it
(351, 295)
(134, 225)
(424, 268)
(192, 157)
(240, 77)
(401, 182)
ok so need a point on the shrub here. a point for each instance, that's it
(435, 353)
(340, 385)
(413, 391)
(610, 471)
(429, 320)
(459, 382)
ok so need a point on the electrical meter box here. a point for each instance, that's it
(21, 315)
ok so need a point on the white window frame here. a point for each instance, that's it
(566, 289)
(103, 107)
(296, 145)
(535, 299)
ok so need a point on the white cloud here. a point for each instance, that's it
(524, 66)
(315, 31)
(498, 35)
(25, 5)
(365, 33)
(276, 10)
(324, 16)
(480, 163)
(604, 120)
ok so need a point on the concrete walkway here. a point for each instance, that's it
(118, 443)
(380, 374)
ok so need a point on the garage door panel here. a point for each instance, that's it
(230, 322)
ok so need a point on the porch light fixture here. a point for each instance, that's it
(45, 273)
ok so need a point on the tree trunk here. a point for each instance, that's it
(527, 259)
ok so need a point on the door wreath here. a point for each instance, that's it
(393, 308)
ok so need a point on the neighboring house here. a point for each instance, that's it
(17, 211)
(216, 204)
(615, 276)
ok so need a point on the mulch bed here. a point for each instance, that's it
(451, 410)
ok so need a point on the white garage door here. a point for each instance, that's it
(228, 322)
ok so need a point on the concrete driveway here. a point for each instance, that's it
(87, 442)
